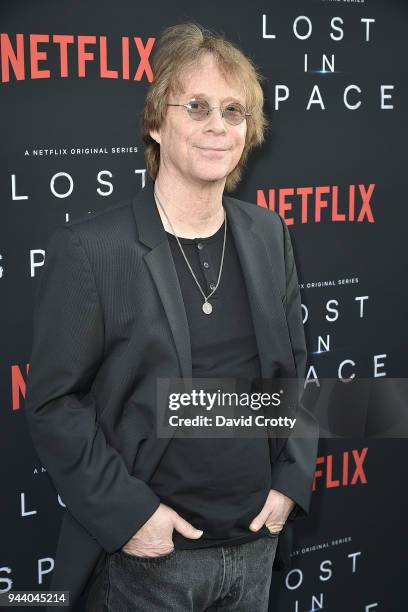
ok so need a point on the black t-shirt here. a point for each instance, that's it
(218, 484)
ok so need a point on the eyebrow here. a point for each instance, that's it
(203, 95)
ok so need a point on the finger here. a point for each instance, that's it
(274, 526)
(185, 528)
(259, 520)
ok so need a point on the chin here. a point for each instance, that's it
(211, 176)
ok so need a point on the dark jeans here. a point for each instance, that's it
(235, 577)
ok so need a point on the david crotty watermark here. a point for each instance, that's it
(208, 401)
(224, 408)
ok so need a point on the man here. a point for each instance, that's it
(178, 282)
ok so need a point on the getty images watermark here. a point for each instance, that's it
(208, 401)
(226, 407)
(329, 407)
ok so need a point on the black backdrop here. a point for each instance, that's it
(351, 554)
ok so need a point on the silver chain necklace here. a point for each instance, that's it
(207, 307)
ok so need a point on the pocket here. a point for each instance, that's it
(142, 559)
(272, 535)
(265, 530)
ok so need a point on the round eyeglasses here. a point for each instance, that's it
(234, 113)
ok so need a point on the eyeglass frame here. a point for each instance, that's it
(222, 109)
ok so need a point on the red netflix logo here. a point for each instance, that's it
(341, 472)
(307, 203)
(75, 49)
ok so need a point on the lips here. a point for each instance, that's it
(211, 149)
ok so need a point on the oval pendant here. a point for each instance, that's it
(207, 308)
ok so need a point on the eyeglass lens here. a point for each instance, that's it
(233, 113)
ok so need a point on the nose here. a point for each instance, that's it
(214, 122)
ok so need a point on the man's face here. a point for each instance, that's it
(207, 150)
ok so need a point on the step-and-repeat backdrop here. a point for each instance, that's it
(73, 77)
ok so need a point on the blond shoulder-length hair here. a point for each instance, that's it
(179, 48)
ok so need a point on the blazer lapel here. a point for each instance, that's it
(264, 298)
(159, 260)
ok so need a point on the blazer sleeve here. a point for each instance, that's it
(67, 350)
(294, 467)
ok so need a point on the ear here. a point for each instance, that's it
(155, 134)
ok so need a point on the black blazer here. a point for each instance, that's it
(109, 319)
